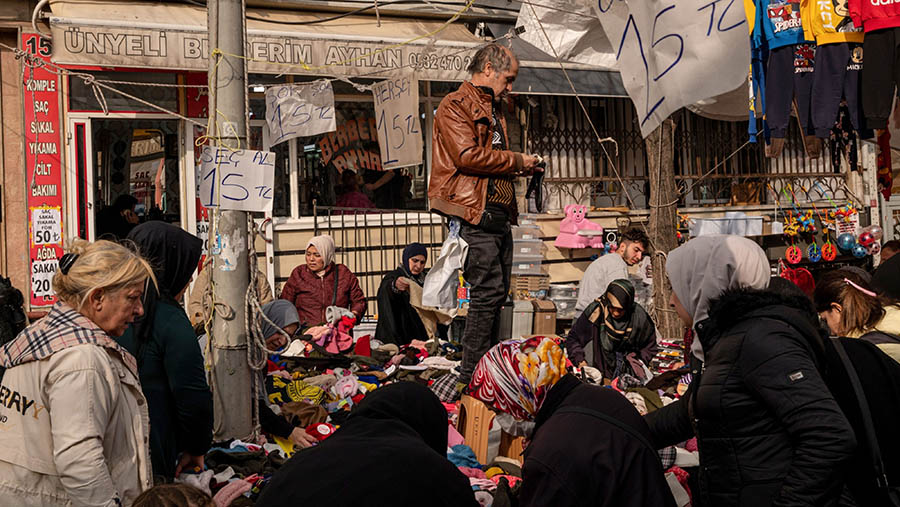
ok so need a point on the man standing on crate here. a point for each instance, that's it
(472, 179)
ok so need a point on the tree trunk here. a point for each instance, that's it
(663, 224)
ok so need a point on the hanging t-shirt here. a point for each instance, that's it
(874, 14)
(779, 22)
(829, 22)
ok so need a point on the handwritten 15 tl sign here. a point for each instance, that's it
(397, 121)
(672, 54)
(236, 179)
(300, 110)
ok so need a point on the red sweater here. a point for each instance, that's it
(875, 14)
(312, 294)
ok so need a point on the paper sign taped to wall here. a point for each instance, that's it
(672, 54)
(299, 110)
(397, 121)
(46, 226)
(236, 179)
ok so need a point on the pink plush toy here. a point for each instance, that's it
(574, 222)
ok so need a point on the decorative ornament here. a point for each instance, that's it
(814, 252)
(845, 242)
(793, 254)
(829, 251)
(859, 251)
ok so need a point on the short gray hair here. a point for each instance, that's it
(501, 58)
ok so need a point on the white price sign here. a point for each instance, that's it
(672, 54)
(300, 110)
(397, 121)
(46, 226)
(42, 278)
(236, 179)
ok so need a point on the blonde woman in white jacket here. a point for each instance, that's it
(73, 419)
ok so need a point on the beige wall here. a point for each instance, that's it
(13, 228)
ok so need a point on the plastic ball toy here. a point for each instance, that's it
(793, 254)
(859, 251)
(877, 231)
(845, 242)
(874, 248)
(829, 252)
(866, 238)
(814, 253)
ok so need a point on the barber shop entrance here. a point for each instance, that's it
(123, 171)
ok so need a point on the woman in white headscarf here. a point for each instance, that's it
(768, 430)
(321, 283)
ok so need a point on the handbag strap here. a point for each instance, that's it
(868, 426)
(334, 296)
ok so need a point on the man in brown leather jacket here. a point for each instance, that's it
(473, 179)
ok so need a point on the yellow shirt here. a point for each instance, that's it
(828, 22)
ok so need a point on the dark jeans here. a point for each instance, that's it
(487, 270)
(837, 76)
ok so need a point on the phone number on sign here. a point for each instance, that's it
(437, 62)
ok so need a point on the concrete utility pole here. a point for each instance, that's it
(663, 222)
(231, 389)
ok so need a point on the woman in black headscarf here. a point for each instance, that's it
(618, 331)
(393, 445)
(169, 361)
(398, 321)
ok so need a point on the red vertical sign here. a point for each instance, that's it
(43, 163)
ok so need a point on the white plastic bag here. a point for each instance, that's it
(441, 282)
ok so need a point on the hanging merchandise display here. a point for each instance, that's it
(790, 68)
(880, 19)
(838, 61)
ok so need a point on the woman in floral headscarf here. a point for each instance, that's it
(590, 436)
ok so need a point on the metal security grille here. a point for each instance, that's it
(580, 169)
(371, 242)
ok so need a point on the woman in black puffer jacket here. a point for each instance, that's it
(768, 430)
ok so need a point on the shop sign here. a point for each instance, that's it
(354, 146)
(43, 171)
(186, 49)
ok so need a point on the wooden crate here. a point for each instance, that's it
(529, 287)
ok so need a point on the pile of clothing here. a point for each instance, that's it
(493, 484)
(314, 384)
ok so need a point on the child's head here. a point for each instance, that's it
(173, 495)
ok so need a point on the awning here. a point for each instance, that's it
(539, 72)
(174, 36)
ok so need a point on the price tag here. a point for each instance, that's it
(672, 54)
(42, 278)
(46, 226)
(300, 110)
(236, 179)
(397, 121)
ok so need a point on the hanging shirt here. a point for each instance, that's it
(874, 14)
(779, 22)
(829, 22)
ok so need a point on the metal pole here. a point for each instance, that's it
(232, 379)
